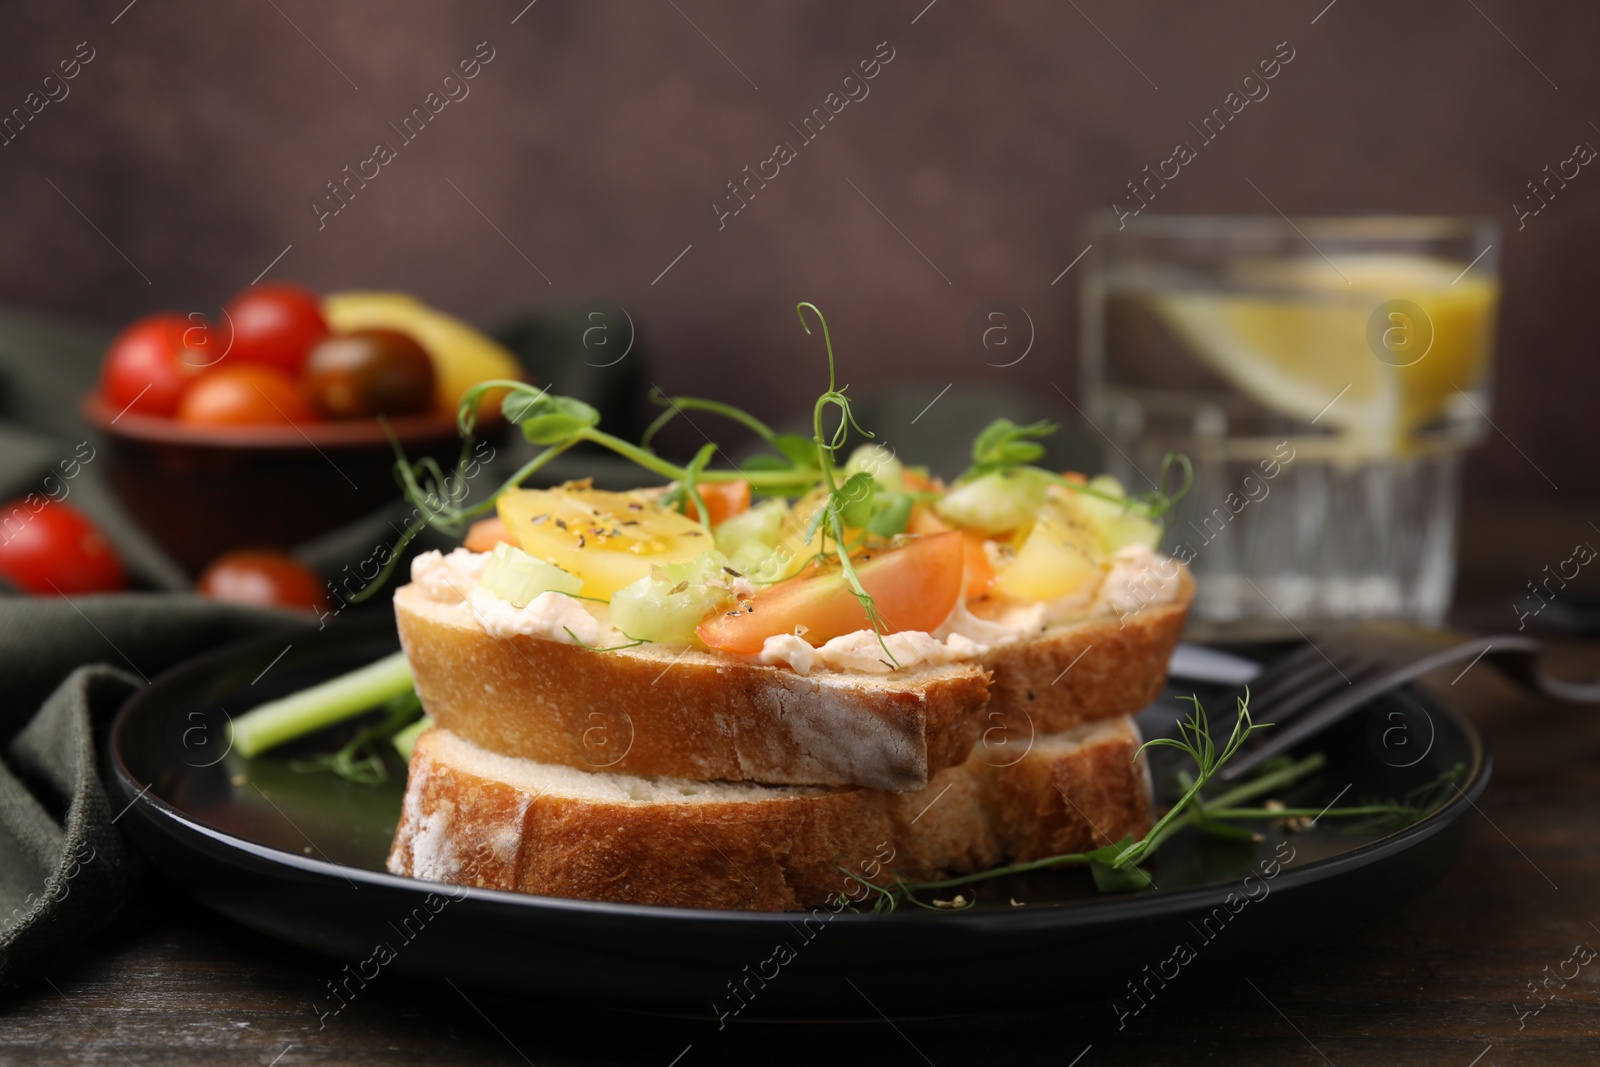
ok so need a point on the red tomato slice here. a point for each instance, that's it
(914, 587)
(723, 499)
(979, 571)
(484, 534)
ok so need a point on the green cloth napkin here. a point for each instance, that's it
(67, 667)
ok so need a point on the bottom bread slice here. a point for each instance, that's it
(473, 817)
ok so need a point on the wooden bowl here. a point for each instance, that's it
(201, 490)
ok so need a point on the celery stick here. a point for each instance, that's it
(335, 700)
(406, 739)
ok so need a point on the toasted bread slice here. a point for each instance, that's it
(707, 716)
(1097, 668)
(686, 714)
(472, 817)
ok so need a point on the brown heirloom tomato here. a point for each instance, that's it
(370, 372)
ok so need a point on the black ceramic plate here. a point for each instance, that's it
(301, 856)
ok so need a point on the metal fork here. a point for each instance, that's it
(1309, 690)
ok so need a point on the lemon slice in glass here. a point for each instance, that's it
(1374, 345)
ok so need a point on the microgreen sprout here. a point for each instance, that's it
(1117, 867)
(632, 642)
(838, 499)
(556, 423)
(1003, 446)
(361, 759)
(795, 466)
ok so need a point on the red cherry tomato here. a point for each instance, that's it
(152, 362)
(245, 394)
(48, 548)
(264, 578)
(276, 325)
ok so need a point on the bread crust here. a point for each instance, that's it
(709, 717)
(695, 715)
(1063, 799)
(475, 818)
(1100, 668)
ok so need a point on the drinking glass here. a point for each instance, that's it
(1324, 377)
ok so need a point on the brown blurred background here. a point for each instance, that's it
(601, 134)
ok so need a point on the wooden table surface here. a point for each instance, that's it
(1439, 980)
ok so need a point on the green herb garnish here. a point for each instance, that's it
(1003, 447)
(1003, 444)
(795, 466)
(361, 759)
(633, 642)
(854, 496)
(1117, 867)
(559, 423)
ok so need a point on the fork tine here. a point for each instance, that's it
(1286, 665)
(1291, 701)
(1288, 675)
(1283, 678)
(1277, 683)
(1315, 680)
(1271, 677)
(1366, 687)
(1348, 672)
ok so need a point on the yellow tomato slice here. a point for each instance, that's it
(608, 539)
(1059, 555)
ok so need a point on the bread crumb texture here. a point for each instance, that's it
(474, 817)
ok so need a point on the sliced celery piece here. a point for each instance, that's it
(881, 463)
(997, 502)
(669, 603)
(513, 575)
(335, 700)
(762, 524)
(406, 739)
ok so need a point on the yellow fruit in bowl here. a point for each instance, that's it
(607, 539)
(462, 355)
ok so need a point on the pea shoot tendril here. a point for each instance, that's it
(1117, 867)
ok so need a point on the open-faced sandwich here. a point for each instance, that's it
(745, 687)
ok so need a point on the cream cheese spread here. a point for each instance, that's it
(1134, 578)
(453, 579)
(1137, 577)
